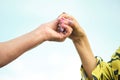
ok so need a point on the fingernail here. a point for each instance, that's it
(63, 13)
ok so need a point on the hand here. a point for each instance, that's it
(12, 49)
(78, 33)
(81, 43)
(49, 31)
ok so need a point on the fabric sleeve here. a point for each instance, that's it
(101, 72)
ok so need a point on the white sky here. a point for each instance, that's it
(52, 60)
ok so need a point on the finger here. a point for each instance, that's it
(60, 28)
(66, 21)
(53, 24)
(68, 30)
(61, 14)
(65, 15)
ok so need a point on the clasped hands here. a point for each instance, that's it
(61, 28)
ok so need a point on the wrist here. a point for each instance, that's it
(78, 35)
(82, 41)
(83, 45)
(80, 38)
(38, 36)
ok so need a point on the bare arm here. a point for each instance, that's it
(81, 43)
(12, 49)
(86, 55)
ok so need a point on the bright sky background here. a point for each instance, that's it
(52, 60)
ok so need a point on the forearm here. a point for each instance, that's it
(12, 49)
(86, 55)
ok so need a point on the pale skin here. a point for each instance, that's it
(82, 45)
(12, 49)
